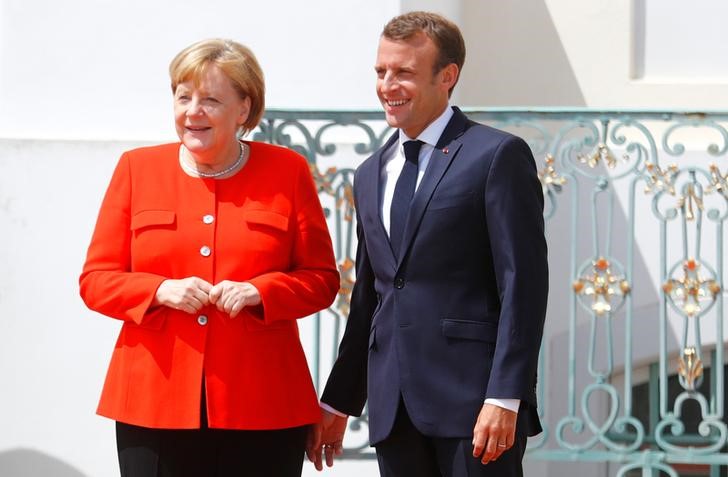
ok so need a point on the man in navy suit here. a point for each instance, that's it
(448, 308)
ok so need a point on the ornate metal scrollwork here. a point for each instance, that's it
(604, 290)
(550, 179)
(692, 293)
(648, 466)
(601, 154)
(711, 427)
(346, 272)
(690, 368)
(325, 184)
(689, 202)
(659, 180)
(718, 183)
(600, 432)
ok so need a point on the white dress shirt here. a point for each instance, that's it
(393, 163)
(394, 160)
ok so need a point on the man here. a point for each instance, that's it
(448, 308)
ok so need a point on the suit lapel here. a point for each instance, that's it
(445, 151)
(371, 210)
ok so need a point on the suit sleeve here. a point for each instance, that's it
(346, 388)
(312, 282)
(514, 211)
(107, 283)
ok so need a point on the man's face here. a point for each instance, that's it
(411, 94)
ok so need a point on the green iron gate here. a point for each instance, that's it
(632, 371)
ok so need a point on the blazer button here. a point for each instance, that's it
(208, 219)
(205, 251)
(202, 320)
(399, 283)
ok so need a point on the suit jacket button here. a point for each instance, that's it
(399, 283)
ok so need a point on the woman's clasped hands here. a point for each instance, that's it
(193, 293)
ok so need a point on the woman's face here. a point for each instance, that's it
(207, 116)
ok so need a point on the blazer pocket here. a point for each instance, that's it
(446, 202)
(153, 320)
(469, 330)
(149, 218)
(267, 219)
(255, 324)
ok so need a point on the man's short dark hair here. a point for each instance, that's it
(444, 33)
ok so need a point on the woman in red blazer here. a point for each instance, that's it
(209, 250)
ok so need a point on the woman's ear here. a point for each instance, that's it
(244, 111)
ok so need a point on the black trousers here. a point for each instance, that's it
(145, 452)
(406, 452)
(205, 452)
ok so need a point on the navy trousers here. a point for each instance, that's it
(406, 452)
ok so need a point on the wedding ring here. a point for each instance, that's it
(501, 445)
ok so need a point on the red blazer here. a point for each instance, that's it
(264, 225)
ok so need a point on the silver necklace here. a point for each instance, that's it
(212, 175)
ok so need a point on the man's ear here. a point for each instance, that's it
(449, 75)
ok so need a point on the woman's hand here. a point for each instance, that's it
(313, 444)
(188, 294)
(231, 297)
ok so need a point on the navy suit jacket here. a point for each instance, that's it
(458, 316)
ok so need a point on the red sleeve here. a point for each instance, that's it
(313, 280)
(107, 283)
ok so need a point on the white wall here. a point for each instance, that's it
(599, 39)
(663, 55)
(97, 69)
(54, 352)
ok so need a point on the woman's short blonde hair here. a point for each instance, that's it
(235, 60)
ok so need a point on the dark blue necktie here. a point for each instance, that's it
(403, 192)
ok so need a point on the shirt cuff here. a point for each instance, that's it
(510, 404)
(326, 407)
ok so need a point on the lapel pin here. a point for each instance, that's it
(445, 150)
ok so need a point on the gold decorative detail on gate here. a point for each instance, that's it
(689, 202)
(324, 183)
(346, 285)
(602, 286)
(601, 153)
(690, 368)
(691, 291)
(549, 177)
(659, 180)
(718, 182)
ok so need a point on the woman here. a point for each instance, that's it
(209, 250)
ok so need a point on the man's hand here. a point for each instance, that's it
(494, 432)
(331, 442)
